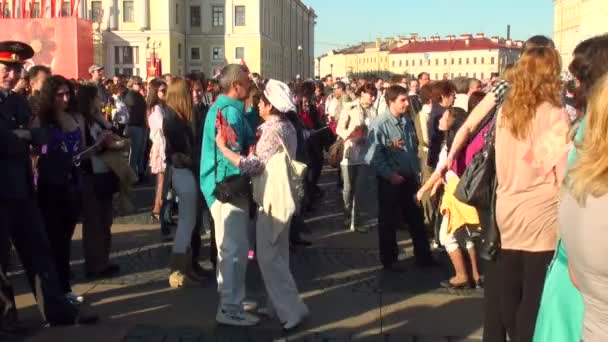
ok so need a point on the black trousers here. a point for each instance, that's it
(493, 326)
(521, 277)
(21, 223)
(60, 209)
(394, 202)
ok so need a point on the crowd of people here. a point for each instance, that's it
(248, 152)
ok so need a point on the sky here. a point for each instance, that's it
(348, 22)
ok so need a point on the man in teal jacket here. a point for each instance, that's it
(231, 221)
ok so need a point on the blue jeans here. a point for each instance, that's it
(138, 138)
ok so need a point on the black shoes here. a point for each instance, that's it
(395, 267)
(427, 262)
(110, 271)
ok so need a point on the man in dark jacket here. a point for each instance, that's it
(136, 128)
(20, 218)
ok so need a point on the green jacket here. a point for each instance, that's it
(233, 112)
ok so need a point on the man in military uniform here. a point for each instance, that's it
(20, 219)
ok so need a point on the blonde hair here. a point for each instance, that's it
(589, 174)
(179, 99)
(534, 79)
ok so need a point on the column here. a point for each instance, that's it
(114, 12)
(144, 14)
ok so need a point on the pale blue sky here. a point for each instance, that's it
(344, 22)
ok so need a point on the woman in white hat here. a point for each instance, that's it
(274, 193)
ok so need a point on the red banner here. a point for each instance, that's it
(63, 44)
(42, 8)
(154, 67)
(23, 8)
(53, 8)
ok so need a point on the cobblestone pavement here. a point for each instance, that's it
(338, 262)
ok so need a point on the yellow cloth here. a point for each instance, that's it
(459, 214)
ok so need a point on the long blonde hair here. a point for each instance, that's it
(179, 99)
(534, 79)
(589, 174)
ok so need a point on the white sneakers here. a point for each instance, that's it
(74, 298)
(236, 316)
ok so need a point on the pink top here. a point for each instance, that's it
(157, 151)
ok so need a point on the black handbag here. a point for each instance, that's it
(475, 185)
(232, 188)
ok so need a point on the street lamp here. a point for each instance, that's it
(301, 59)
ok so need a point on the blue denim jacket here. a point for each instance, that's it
(387, 158)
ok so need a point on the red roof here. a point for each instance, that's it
(451, 45)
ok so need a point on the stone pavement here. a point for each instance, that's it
(339, 277)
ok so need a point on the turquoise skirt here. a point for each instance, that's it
(560, 316)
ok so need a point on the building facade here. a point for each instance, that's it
(273, 37)
(575, 21)
(467, 55)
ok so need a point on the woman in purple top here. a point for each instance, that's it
(58, 178)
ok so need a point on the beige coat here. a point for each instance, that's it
(352, 116)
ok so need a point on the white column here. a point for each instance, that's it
(114, 13)
(144, 18)
(82, 9)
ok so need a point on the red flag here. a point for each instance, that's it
(2, 7)
(53, 8)
(32, 8)
(224, 128)
(42, 8)
(75, 5)
(23, 8)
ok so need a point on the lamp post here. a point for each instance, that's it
(331, 69)
(301, 59)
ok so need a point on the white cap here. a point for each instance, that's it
(279, 95)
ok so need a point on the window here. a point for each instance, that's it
(482, 61)
(217, 13)
(452, 75)
(474, 61)
(195, 16)
(128, 13)
(217, 53)
(459, 62)
(126, 59)
(481, 76)
(239, 52)
(96, 11)
(66, 11)
(466, 74)
(179, 51)
(176, 14)
(413, 62)
(400, 64)
(436, 63)
(239, 15)
(393, 64)
(445, 61)
(436, 76)
(467, 60)
(195, 53)
(452, 62)
(36, 10)
(407, 63)
(428, 61)
(421, 62)
(474, 75)
(492, 60)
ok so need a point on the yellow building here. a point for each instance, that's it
(575, 21)
(274, 37)
(467, 55)
(365, 58)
